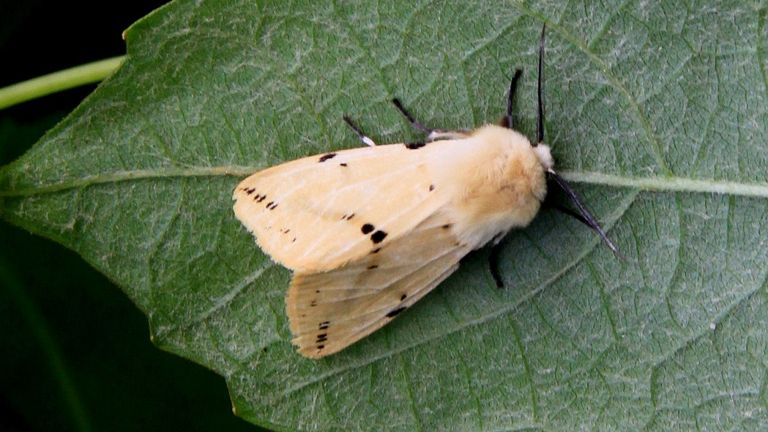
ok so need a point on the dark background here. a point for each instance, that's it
(75, 352)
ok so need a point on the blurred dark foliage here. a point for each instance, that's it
(75, 352)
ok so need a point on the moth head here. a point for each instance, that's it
(545, 156)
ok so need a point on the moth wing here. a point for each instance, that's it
(328, 311)
(320, 212)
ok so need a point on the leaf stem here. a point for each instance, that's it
(58, 81)
(670, 184)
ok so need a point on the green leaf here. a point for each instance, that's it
(657, 109)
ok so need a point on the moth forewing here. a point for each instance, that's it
(321, 212)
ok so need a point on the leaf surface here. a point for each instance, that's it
(656, 110)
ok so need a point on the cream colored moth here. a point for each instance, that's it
(370, 231)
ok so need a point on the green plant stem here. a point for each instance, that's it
(58, 81)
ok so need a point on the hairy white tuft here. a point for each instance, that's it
(545, 156)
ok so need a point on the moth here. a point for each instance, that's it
(370, 231)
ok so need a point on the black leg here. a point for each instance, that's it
(416, 125)
(363, 137)
(432, 134)
(493, 263)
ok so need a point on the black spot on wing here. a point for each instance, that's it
(325, 157)
(367, 228)
(343, 164)
(376, 250)
(431, 188)
(271, 205)
(415, 145)
(393, 313)
(402, 297)
(371, 267)
(249, 191)
(323, 325)
(378, 236)
(259, 198)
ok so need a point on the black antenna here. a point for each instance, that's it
(507, 121)
(540, 81)
(584, 215)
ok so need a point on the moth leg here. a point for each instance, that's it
(432, 134)
(493, 264)
(365, 139)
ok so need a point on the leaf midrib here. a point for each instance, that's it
(655, 183)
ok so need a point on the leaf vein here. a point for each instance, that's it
(220, 302)
(409, 391)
